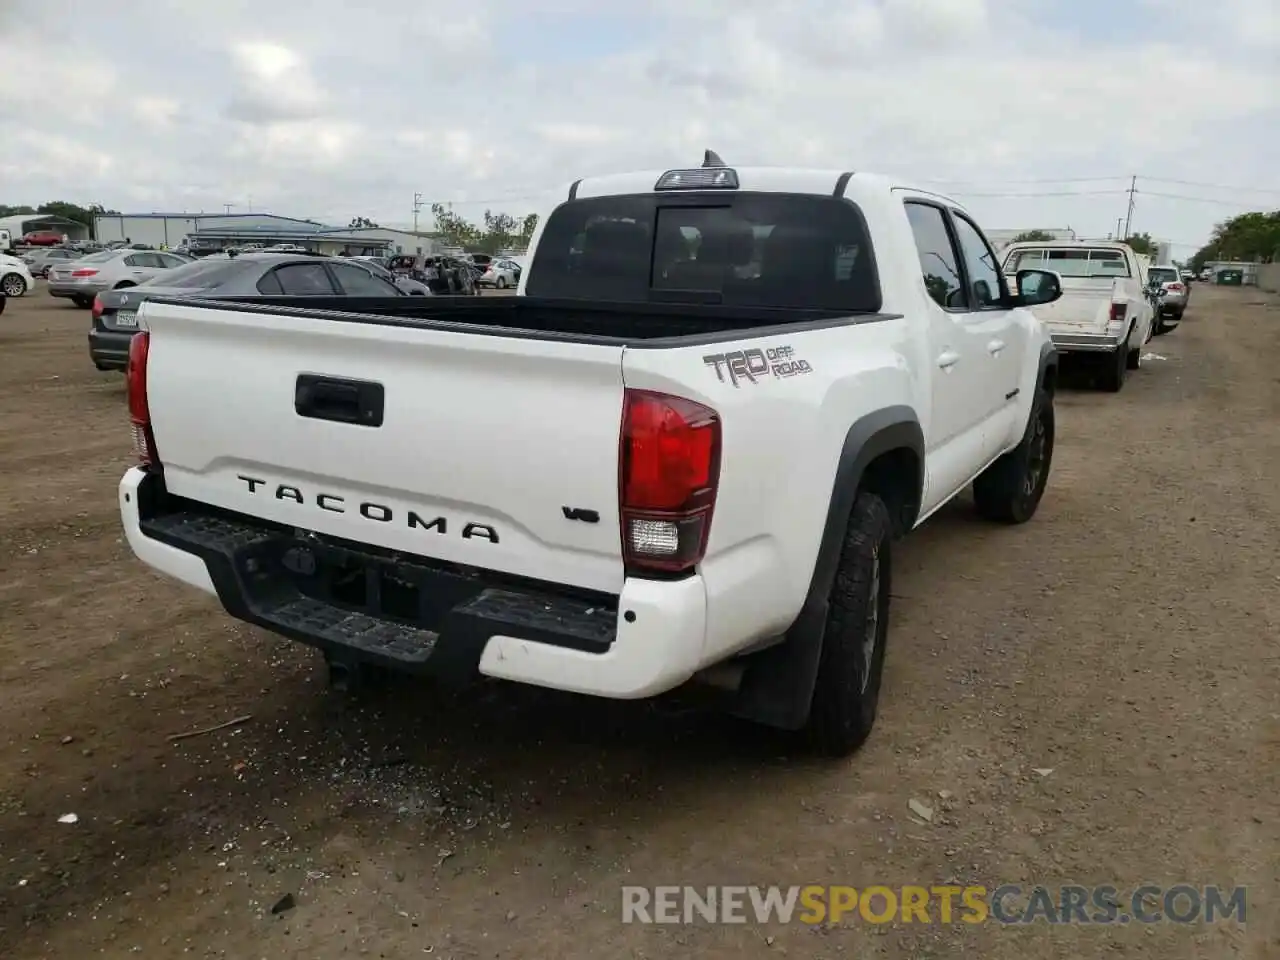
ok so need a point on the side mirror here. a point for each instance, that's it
(1036, 287)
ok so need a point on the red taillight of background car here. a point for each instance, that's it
(84, 272)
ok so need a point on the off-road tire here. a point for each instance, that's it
(847, 689)
(1010, 490)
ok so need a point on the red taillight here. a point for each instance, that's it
(97, 307)
(1118, 310)
(1175, 287)
(84, 272)
(669, 467)
(144, 440)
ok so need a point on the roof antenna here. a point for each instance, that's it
(712, 159)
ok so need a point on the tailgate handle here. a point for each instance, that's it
(338, 399)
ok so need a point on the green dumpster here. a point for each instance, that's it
(1231, 278)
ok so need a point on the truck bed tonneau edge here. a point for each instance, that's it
(634, 324)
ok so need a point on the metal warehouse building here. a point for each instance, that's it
(170, 228)
(21, 224)
(236, 229)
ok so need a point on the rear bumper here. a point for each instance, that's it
(446, 621)
(109, 349)
(1085, 342)
(65, 289)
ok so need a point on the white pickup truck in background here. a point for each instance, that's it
(682, 454)
(1104, 311)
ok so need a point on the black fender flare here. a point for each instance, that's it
(777, 686)
(1049, 359)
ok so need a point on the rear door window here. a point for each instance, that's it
(356, 282)
(748, 250)
(203, 274)
(298, 280)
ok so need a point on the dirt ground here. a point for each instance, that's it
(1126, 639)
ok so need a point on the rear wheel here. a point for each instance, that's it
(13, 285)
(847, 689)
(1112, 379)
(501, 283)
(1010, 490)
(82, 302)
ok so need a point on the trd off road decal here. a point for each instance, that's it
(751, 365)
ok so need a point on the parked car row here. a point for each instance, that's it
(445, 275)
(271, 274)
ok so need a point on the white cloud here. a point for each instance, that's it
(274, 83)
(349, 111)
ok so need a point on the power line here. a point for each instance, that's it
(1179, 196)
(1056, 193)
(1211, 186)
(1049, 180)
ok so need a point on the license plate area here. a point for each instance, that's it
(126, 318)
(393, 589)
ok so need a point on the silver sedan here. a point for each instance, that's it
(81, 280)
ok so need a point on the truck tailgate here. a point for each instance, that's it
(1085, 306)
(486, 447)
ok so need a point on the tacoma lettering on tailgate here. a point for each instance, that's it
(369, 510)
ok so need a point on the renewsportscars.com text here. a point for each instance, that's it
(1005, 904)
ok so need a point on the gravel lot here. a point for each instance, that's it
(1126, 639)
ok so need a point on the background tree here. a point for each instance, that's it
(1033, 236)
(358, 222)
(499, 231)
(1141, 243)
(1252, 237)
(527, 226)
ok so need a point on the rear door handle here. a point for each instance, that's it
(995, 346)
(948, 359)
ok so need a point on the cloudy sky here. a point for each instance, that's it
(1034, 112)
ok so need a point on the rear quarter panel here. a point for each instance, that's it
(784, 425)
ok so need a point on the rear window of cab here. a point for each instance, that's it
(761, 250)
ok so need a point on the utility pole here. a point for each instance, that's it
(1128, 217)
(417, 205)
(1118, 236)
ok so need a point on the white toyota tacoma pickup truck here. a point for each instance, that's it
(683, 452)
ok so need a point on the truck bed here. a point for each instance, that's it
(613, 324)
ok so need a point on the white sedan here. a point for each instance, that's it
(15, 278)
